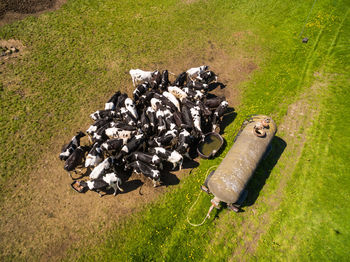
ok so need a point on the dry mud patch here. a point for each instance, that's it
(43, 217)
(13, 10)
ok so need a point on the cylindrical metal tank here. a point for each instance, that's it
(233, 174)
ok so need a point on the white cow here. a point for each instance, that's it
(138, 75)
(196, 70)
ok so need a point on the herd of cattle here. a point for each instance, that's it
(162, 122)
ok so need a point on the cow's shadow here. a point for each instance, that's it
(131, 185)
(227, 119)
(214, 85)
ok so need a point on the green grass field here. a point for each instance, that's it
(297, 207)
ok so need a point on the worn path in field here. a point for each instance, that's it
(42, 218)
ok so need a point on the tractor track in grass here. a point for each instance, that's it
(294, 130)
(45, 218)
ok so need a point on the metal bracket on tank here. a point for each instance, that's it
(205, 187)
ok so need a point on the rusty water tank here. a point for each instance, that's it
(228, 181)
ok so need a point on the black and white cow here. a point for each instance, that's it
(207, 77)
(95, 156)
(193, 94)
(196, 71)
(170, 120)
(128, 117)
(110, 180)
(170, 156)
(75, 159)
(97, 125)
(203, 108)
(141, 90)
(121, 133)
(100, 114)
(166, 139)
(178, 118)
(151, 115)
(156, 80)
(100, 134)
(146, 158)
(112, 102)
(156, 103)
(121, 101)
(130, 106)
(165, 102)
(219, 112)
(172, 99)
(102, 167)
(144, 123)
(145, 169)
(138, 75)
(161, 124)
(196, 117)
(203, 87)
(184, 143)
(177, 92)
(145, 100)
(133, 144)
(69, 148)
(113, 145)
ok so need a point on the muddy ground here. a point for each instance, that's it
(12, 10)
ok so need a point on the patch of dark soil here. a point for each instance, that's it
(12, 10)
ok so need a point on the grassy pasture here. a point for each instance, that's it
(77, 56)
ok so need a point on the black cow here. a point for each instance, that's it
(111, 103)
(214, 102)
(181, 79)
(165, 80)
(121, 101)
(75, 159)
(186, 117)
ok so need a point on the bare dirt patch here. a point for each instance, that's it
(231, 70)
(13, 10)
(44, 217)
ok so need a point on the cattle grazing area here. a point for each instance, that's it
(163, 122)
(65, 77)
